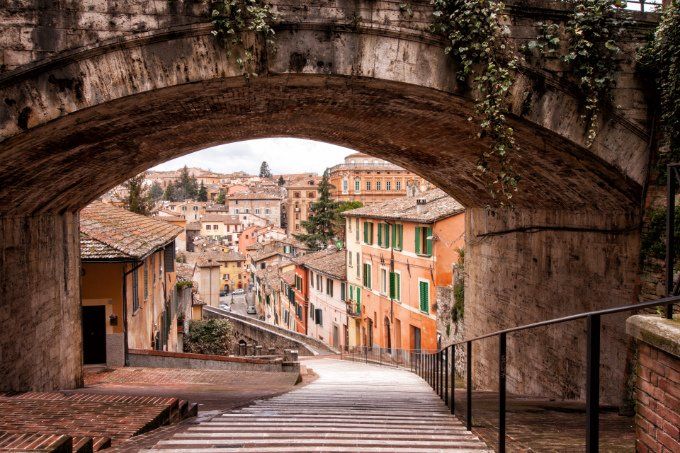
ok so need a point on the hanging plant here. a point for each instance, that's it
(594, 33)
(478, 42)
(661, 59)
(232, 18)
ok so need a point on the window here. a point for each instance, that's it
(169, 257)
(208, 227)
(329, 287)
(312, 311)
(358, 267)
(345, 186)
(267, 211)
(368, 233)
(424, 287)
(298, 283)
(311, 279)
(311, 195)
(383, 281)
(319, 283)
(356, 230)
(343, 291)
(319, 317)
(236, 211)
(135, 290)
(367, 275)
(424, 241)
(395, 286)
(388, 185)
(398, 185)
(257, 210)
(296, 194)
(357, 185)
(368, 185)
(378, 185)
(384, 235)
(397, 236)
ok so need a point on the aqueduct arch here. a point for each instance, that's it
(91, 112)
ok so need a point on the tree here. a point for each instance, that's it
(282, 181)
(339, 223)
(137, 199)
(169, 193)
(320, 226)
(186, 186)
(221, 197)
(264, 170)
(202, 193)
(209, 336)
(156, 191)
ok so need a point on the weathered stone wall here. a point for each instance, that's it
(528, 266)
(657, 393)
(450, 330)
(40, 324)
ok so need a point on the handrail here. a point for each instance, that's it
(606, 311)
(434, 367)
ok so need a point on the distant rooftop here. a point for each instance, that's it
(438, 205)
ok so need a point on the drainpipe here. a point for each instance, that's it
(125, 317)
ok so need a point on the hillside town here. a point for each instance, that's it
(246, 244)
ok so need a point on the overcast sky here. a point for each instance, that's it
(284, 155)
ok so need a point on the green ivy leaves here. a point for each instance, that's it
(478, 42)
(232, 18)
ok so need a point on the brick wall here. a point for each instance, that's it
(658, 401)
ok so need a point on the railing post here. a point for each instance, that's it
(593, 385)
(453, 378)
(502, 356)
(438, 365)
(468, 422)
(670, 233)
(441, 374)
(446, 376)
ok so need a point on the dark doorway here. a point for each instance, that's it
(415, 336)
(94, 334)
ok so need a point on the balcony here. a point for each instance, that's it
(353, 308)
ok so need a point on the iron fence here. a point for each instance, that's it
(404, 358)
(438, 369)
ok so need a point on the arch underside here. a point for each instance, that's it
(68, 162)
(77, 125)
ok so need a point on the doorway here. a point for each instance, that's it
(336, 336)
(94, 334)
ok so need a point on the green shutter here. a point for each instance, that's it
(428, 234)
(395, 242)
(401, 236)
(351, 292)
(424, 297)
(358, 300)
(366, 232)
(392, 285)
(387, 235)
(370, 233)
(397, 285)
(380, 235)
(418, 235)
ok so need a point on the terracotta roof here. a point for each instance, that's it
(309, 257)
(110, 232)
(333, 264)
(193, 226)
(223, 256)
(289, 277)
(255, 196)
(438, 206)
(224, 218)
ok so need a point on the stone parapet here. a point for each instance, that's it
(657, 392)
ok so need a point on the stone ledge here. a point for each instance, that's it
(663, 334)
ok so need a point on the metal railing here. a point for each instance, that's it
(404, 358)
(435, 368)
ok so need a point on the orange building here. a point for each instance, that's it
(399, 252)
(370, 180)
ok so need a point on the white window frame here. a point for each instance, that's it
(384, 280)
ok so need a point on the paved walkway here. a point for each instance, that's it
(350, 407)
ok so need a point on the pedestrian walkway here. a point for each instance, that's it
(352, 406)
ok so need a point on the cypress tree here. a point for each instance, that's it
(320, 226)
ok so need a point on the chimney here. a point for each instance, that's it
(420, 205)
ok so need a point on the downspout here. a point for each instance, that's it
(125, 318)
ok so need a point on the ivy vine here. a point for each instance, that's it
(594, 31)
(478, 42)
(232, 18)
(661, 58)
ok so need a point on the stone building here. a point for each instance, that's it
(266, 205)
(327, 294)
(302, 191)
(226, 228)
(406, 249)
(128, 293)
(370, 180)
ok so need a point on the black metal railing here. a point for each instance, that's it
(438, 368)
(383, 356)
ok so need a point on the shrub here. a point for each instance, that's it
(209, 336)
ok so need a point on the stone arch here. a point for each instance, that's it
(83, 120)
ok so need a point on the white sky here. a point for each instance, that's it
(284, 155)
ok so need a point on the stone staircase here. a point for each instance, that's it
(350, 407)
(81, 422)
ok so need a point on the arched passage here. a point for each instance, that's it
(79, 123)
